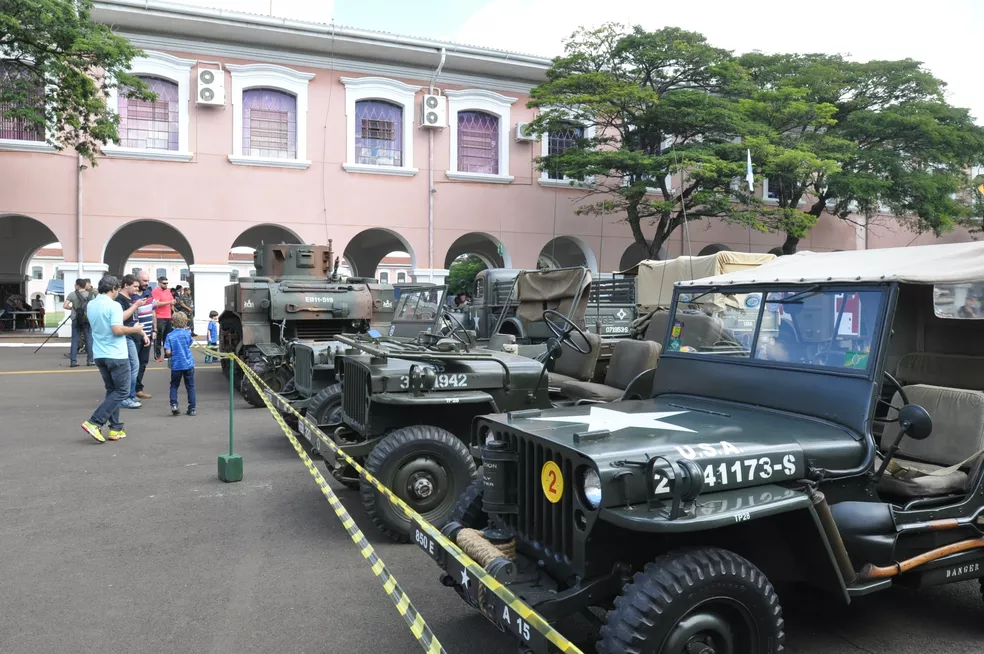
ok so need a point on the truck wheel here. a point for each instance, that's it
(696, 601)
(325, 408)
(469, 511)
(426, 467)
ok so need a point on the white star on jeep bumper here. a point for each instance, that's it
(606, 419)
(464, 578)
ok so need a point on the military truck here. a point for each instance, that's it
(842, 450)
(296, 294)
(405, 405)
(492, 309)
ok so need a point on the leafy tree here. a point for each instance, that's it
(461, 274)
(56, 69)
(655, 104)
(851, 138)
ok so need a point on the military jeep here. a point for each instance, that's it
(840, 446)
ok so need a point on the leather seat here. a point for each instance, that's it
(945, 462)
(573, 365)
(629, 359)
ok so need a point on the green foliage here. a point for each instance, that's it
(461, 274)
(54, 45)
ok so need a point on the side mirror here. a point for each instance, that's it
(915, 422)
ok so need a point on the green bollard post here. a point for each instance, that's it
(231, 464)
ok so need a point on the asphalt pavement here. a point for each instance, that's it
(136, 546)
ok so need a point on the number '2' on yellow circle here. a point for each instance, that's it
(552, 481)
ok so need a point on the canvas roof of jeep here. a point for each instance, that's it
(951, 263)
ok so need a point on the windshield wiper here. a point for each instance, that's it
(713, 289)
(796, 297)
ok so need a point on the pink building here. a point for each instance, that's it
(271, 130)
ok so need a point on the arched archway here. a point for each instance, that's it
(566, 252)
(139, 234)
(268, 234)
(482, 245)
(20, 237)
(368, 247)
(638, 252)
(713, 248)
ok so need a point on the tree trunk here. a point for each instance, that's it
(789, 245)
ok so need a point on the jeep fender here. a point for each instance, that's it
(514, 326)
(641, 387)
(441, 398)
(771, 508)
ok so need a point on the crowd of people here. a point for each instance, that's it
(120, 323)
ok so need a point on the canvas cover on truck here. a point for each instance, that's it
(552, 289)
(656, 279)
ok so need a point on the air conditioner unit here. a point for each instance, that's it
(523, 133)
(434, 112)
(211, 87)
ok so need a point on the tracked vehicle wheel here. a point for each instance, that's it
(696, 601)
(427, 467)
(469, 511)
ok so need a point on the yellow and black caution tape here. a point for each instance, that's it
(531, 617)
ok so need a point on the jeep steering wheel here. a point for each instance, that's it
(564, 332)
(893, 382)
(456, 326)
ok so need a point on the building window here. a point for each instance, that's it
(162, 272)
(401, 278)
(37, 272)
(269, 124)
(379, 122)
(557, 143)
(155, 130)
(378, 133)
(384, 277)
(252, 272)
(479, 126)
(184, 274)
(770, 191)
(60, 275)
(135, 271)
(13, 124)
(269, 116)
(234, 276)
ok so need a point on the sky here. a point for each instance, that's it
(940, 34)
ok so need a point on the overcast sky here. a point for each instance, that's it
(939, 33)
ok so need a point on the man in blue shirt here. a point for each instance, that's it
(112, 358)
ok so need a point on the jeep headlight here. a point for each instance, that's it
(591, 488)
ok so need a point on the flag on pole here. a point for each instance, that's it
(749, 176)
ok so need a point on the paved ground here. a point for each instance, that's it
(136, 545)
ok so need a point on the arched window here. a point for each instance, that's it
(559, 141)
(269, 124)
(378, 133)
(13, 123)
(384, 278)
(478, 142)
(401, 278)
(150, 125)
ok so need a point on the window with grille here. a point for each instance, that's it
(269, 124)
(150, 125)
(184, 274)
(37, 272)
(378, 133)
(14, 123)
(401, 278)
(384, 277)
(478, 142)
(558, 142)
(161, 272)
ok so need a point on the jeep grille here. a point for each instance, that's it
(547, 526)
(304, 370)
(355, 395)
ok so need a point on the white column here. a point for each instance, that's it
(70, 271)
(423, 275)
(209, 291)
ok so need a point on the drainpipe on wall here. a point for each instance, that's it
(78, 213)
(431, 190)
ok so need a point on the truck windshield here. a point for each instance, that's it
(419, 305)
(833, 327)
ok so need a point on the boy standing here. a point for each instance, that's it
(177, 346)
(212, 337)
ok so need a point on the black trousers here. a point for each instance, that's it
(163, 329)
(143, 356)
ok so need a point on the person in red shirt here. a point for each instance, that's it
(163, 301)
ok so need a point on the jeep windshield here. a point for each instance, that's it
(418, 310)
(833, 326)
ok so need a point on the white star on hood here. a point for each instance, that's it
(600, 418)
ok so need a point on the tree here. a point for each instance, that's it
(850, 138)
(462, 273)
(56, 69)
(648, 107)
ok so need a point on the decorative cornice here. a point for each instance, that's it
(369, 82)
(15, 145)
(270, 70)
(479, 94)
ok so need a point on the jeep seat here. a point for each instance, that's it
(703, 331)
(496, 341)
(926, 468)
(574, 366)
(629, 359)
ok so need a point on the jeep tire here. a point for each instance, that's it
(427, 467)
(325, 408)
(469, 511)
(692, 601)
